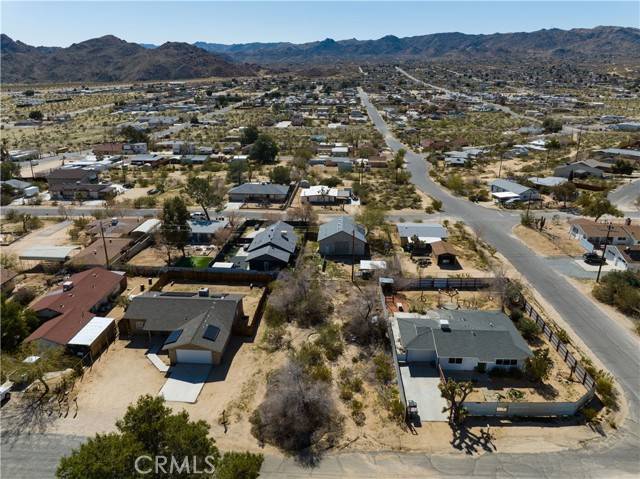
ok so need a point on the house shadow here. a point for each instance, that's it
(456, 266)
(220, 371)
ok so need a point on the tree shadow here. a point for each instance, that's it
(471, 443)
(33, 413)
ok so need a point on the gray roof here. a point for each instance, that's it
(171, 311)
(510, 186)
(279, 235)
(205, 226)
(17, 184)
(432, 230)
(342, 224)
(548, 181)
(260, 189)
(486, 335)
(269, 251)
(620, 151)
(193, 332)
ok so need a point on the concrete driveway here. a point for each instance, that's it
(185, 382)
(421, 385)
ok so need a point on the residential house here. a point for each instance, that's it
(505, 190)
(581, 169)
(20, 188)
(426, 234)
(203, 231)
(595, 234)
(623, 257)
(73, 183)
(66, 311)
(342, 236)
(323, 195)
(613, 154)
(444, 253)
(135, 148)
(259, 193)
(272, 248)
(461, 340)
(194, 327)
(149, 160)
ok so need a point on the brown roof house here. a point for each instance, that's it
(77, 183)
(66, 311)
(596, 233)
(444, 253)
(7, 280)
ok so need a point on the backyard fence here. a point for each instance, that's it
(576, 368)
(427, 284)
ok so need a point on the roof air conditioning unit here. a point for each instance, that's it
(203, 292)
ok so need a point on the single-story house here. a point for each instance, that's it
(71, 183)
(624, 257)
(580, 169)
(272, 248)
(463, 340)
(427, 233)
(596, 233)
(97, 252)
(259, 193)
(21, 188)
(505, 190)
(342, 237)
(67, 310)
(203, 231)
(152, 160)
(619, 154)
(321, 194)
(196, 327)
(548, 182)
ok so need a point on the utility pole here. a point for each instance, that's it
(104, 243)
(606, 241)
(353, 253)
(500, 169)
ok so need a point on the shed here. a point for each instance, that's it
(444, 253)
(94, 337)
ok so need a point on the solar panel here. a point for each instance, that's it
(211, 332)
(173, 337)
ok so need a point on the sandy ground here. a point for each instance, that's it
(151, 256)
(554, 241)
(52, 234)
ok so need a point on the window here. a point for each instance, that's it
(455, 360)
(506, 362)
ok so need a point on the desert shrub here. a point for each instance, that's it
(620, 289)
(383, 368)
(516, 315)
(357, 412)
(606, 390)
(330, 340)
(298, 413)
(528, 328)
(275, 339)
(538, 367)
(24, 296)
(563, 336)
(589, 414)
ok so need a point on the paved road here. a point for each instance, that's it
(625, 196)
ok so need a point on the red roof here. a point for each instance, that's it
(74, 306)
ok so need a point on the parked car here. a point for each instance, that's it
(593, 258)
(153, 191)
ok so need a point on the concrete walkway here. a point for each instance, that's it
(157, 362)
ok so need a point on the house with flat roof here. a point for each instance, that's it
(67, 310)
(462, 340)
(259, 193)
(203, 231)
(342, 236)
(506, 190)
(195, 327)
(323, 195)
(427, 233)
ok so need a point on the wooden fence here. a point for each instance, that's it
(576, 368)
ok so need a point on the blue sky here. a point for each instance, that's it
(63, 23)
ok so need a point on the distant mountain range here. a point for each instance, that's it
(109, 59)
(599, 44)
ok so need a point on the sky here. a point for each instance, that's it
(63, 23)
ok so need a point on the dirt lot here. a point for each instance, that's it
(554, 241)
(51, 234)
(151, 256)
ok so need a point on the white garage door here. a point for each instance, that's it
(193, 356)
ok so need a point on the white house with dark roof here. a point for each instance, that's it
(259, 193)
(505, 190)
(462, 340)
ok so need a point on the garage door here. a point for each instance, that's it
(193, 356)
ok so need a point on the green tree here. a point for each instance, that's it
(239, 465)
(133, 135)
(207, 192)
(398, 161)
(175, 229)
(564, 192)
(456, 392)
(280, 175)
(371, 217)
(264, 150)
(236, 171)
(538, 367)
(597, 205)
(17, 323)
(36, 115)
(552, 125)
(147, 428)
(106, 456)
(249, 135)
